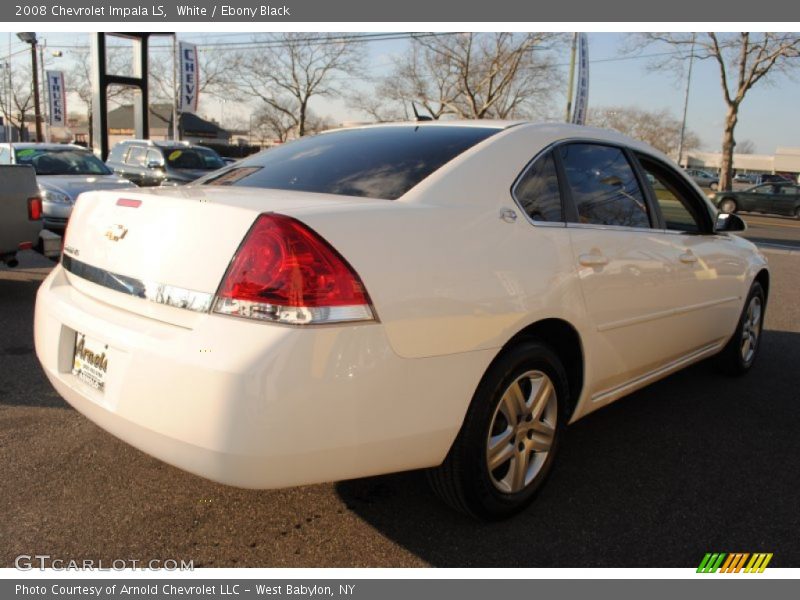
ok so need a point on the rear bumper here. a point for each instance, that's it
(253, 404)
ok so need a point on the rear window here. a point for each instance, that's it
(380, 162)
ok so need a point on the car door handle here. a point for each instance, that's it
(593, 260)
(687, 258)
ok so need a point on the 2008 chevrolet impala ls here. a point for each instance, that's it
(369, 300)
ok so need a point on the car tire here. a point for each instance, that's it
(515, 420)
(713, 186)
(728, 205)
(797, 213)
(740, 352)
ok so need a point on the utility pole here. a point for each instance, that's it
(686, 105)
(30, 38)
(175, 89)
(45, 93)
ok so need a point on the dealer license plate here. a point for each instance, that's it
(90, 361)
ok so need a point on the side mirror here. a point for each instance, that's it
(728, 222)
(155, 164)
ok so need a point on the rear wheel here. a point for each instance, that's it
(728, 205)
(714, 186)
(740, 353)
(509, 437)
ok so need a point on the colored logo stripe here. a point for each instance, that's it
(734, 562)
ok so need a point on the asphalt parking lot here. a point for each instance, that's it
(696, 463)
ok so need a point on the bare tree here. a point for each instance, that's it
(217, 71)
(79, 80)
(287, 70)
(745, 147)
(743, 60)
(658, 128)
(20, 101)
(474, 75)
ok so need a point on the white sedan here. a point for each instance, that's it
(427, 295)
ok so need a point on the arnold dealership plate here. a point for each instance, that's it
(90, 361)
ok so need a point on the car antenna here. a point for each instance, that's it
(418, 117)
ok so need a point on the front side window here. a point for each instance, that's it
(136, 156)
(537, 191)
(679, 213)
(603, 186)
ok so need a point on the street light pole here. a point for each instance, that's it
(686, 105)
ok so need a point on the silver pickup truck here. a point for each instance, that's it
(20, 211)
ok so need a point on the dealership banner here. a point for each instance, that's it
(582, 95)
(57, 99)
(261, 11)
(189, 70)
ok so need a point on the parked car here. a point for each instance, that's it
(745, 178)
(781, 198)
(703, 178)
(20, 212)
(428, 295)
(148, 163)
(63, 171)
(771, 178)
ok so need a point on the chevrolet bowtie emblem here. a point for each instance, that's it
(116, 232)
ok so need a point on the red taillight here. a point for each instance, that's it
(286, 272)
(129, 203)
(34, 208)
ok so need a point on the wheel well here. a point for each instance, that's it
(763, 279)
(565, 341)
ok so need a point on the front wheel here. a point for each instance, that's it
(728, 205)
(740, 353)
(509, 437)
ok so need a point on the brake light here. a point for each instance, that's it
(34, 208)
(285, 272)
(129, 203)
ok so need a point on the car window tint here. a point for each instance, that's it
(603, 185)
(676, 208)
(374, 162)
(136, 156)
(5, 156)
(537, 191)
(788, 190)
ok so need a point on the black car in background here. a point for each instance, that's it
(780, 198)
(149, 163)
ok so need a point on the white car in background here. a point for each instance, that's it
(427, 295)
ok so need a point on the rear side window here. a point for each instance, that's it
(603, 185)
(375, 162)
(537, 191)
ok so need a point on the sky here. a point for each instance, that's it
(768, 116)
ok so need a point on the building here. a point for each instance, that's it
(192, 128)
(786, 160)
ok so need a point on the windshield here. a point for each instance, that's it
(58, 161)
(193, 158)
(374, 162)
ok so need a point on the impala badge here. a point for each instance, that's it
(116, 232)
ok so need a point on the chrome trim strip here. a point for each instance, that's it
(160, 293)
(665, 313)
(647, 378)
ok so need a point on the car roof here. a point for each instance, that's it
(45, 146)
